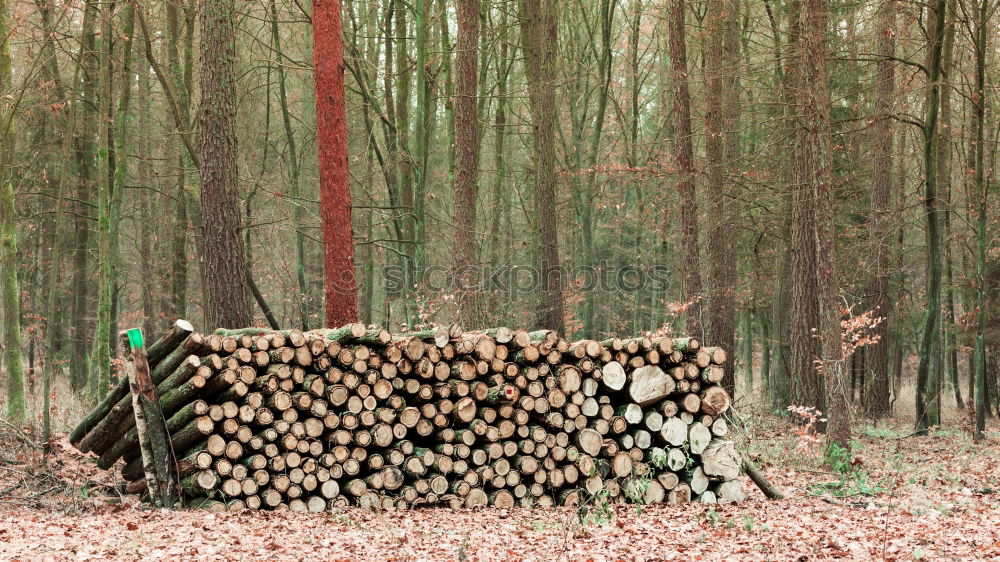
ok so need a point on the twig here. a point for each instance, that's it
(21, 436)
(859, 504)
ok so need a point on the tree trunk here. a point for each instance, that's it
(335, 187)
(804, 378)
(930, 337)
(85, 157)
(466, 159)
(226, 293)
(684, 160)
(722, 151)
(880, 231)
(298, 212)
(540, 38)
(818, 145)
(979, 103)
(10, 294)
(11, 300)
(949, 339)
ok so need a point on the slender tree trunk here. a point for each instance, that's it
(111, 182)
(949, 338)
(404, 161)
(539, 46)
(298, 212)
(179, 265)
(722, 151)
(335, 186)
(979, 104)
(684, 160)
(85, 155)
(148, 283)
(499, 250)
(928, 415)
(9, 289)
(226, 291)
(466, 158)
(880, 231)
(421, 133)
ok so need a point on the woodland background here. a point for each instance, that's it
(803, 169)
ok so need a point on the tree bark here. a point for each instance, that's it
(466, 159)
(540, 38)
(981, 185)
(880, 219)
(805, 379)
(931, 335)
(722, 151)
(819, 147)
(226, 294)
(335, 188)
(684, 160)
(10, 294)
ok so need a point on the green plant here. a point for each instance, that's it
(852, 479)
(748, 523)
(712, 517)
(658, 457)
(462, 554)
(594, 510)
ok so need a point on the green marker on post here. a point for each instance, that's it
(135, 338)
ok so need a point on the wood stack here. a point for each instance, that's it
(358, 416)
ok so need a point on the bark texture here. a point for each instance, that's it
(880, 231)
(684, 160)
(540, 41)
(722, 149)
(466, 154)
(227, 298)
(334, 179)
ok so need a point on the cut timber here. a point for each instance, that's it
(476, 497)
(680, 494)
(631, 412)
(757, 476)
(731, 491)
(621, 465)
(699, 437)
(296, 421)
(690, 403)
(686, 345)
(712, 374)
(699, 481)
(649, 384)
(167, 343)
(674, 432)
(676, 460)
(668, 480)
(717, 354)
(654, 493)
(589, 441)
(720, 428)
(721, 460)
(714, 401)
(200, 482)
(613, 376)
(347, 333)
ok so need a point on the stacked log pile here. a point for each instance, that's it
(358, 416)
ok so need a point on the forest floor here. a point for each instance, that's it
(899, 498)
